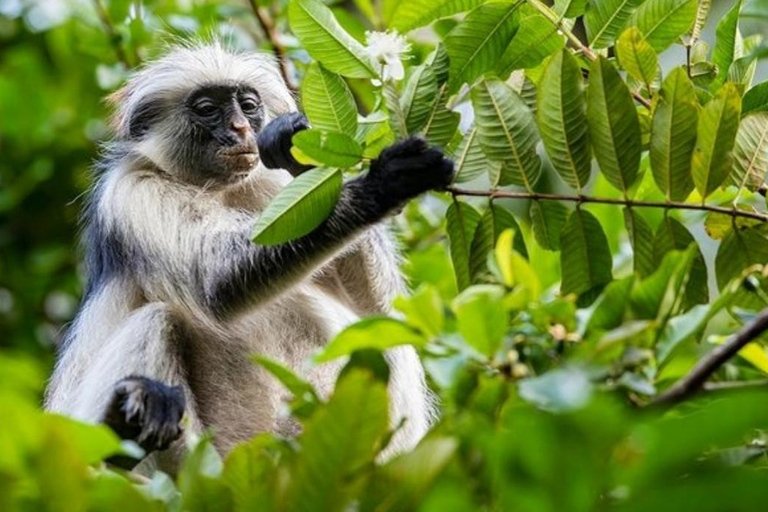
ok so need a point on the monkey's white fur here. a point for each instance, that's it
(129, 325)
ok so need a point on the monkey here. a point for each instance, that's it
(177, 296)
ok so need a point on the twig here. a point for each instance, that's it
(606, 200)
(735, 385)
(694, 381)
(109, 28)
(586, 50)
(268, 27)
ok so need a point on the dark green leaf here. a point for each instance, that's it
(614, 128)
(605, 18)
(417, 98)
(562, 119)
(641, 239)
(756, 99)
(548, 219)
(585, 257)
(663, 21)
(725, 46)
(462, 220)
(671, 235)
(536, 39)
(750, 153)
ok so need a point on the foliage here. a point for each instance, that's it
(553, 300)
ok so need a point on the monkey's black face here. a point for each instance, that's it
(224, 121)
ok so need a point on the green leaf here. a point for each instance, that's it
(750, 153)
(548, 219)
(569, 8)
(419, 94)
(673, 136)
(507, 132)
(604, 20)
(333, 149)
(462, 220)
(423, 310)
(328, 102)
(441, 123)
(740, 249)
(756, 99)
(326, 41)
(536, 39)
(609, 309)
(585, 257)
(725, 51)
(663, 21)
(718, 124)
(702, 11)
(494, 221)
(340, 438)
(637, 57)
(439, 63)
(405, 15)
(614, 127)
(656, 294)
(482, 320)
(560, 390)
(378, 333)
(394, 107)
(641, 239)
(562, 119)
(299, 208)
(475, 46)
(470, 161)
(292, 382)
(671, 235)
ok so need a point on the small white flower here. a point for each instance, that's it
(386, 49)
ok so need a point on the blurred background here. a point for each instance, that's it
(58, 60)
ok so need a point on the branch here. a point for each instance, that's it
(586, 50)
(694, 381)
(109, 28)
(268, 27)
(735, 385)
(605, 200)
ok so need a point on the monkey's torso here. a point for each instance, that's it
(144, 318)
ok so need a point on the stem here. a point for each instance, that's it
(586, 50)
(268, 27)
(694, 381)
(735, 385)
(109, 28)
(606, 200)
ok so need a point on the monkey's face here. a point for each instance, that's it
(223, 121)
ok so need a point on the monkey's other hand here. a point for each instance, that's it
(406, 169)
(146, 411)
(274, 142)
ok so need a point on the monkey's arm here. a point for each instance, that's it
(253, 273)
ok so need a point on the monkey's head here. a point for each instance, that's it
(196, 111)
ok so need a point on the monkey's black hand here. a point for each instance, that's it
(146, 411)
(274, 143)
(407, 169)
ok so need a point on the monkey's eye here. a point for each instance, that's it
(205, 108)
(249, 105)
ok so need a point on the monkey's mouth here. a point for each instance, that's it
(242, 159)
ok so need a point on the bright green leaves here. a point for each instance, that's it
(482, 320)
(637, 57)
(718, 124)
(405, 15)
(562, 119)
(536, 39)
(585, 257)
(333, 149)
(673, 135)
(605, 18)
(507, 133)
(419, 94)
(379, 333)
(344, 434)
(725, 51)
(662, 21)
(475, 46)
(756, 99)
(750, 154)
(614, 128)
(299, 208)
(328, 102)
(326, 41)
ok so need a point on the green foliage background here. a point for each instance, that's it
(542, 360)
